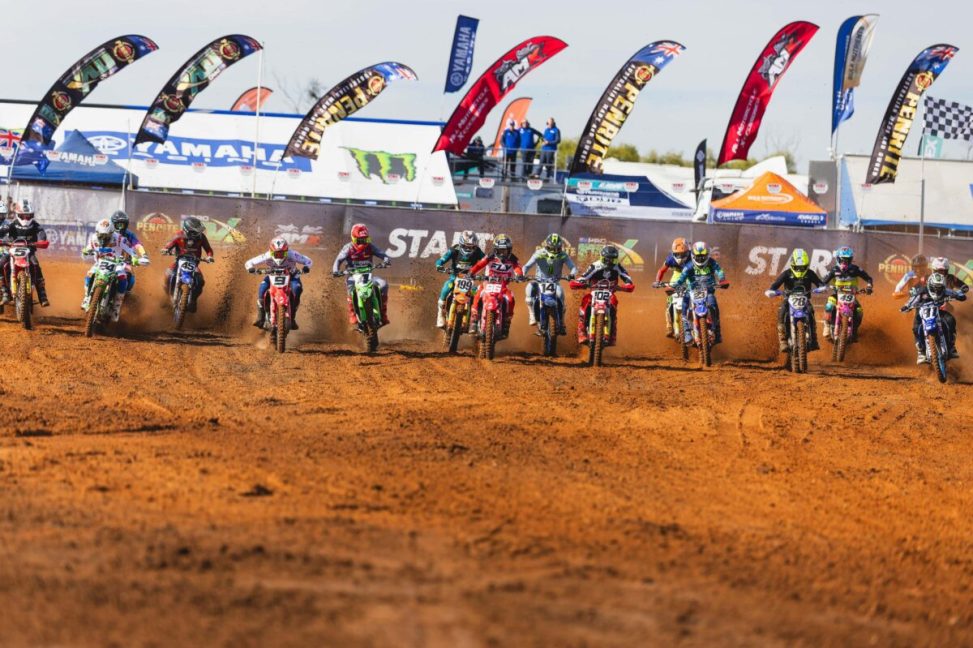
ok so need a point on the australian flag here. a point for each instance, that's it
(30, 152)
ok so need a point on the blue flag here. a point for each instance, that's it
(461, 55)
(31, 152)
(851, 52)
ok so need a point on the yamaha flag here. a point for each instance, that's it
(461, 54)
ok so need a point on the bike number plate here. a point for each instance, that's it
(601, 295)
(928, 312)
(279, 280)
(846, 298)
(106, 266)
(188, 266)
(492, 288)
(798, 302)
(464, 285)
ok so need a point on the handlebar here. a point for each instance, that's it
(351, 273)
(37, 245)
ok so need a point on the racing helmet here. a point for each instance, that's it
(104, 232)
(360, 236)
(192, 227)
(700, 254)
(800, 262)
(25, 214)
(844, 256)
(468, 241)
(278, 249)
(680, 250)
(936, 285)
(939, 264)
(119, 221)
(919, 263)
(503, 246)
(609, 256)
(553, 244)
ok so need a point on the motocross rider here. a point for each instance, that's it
(23, 227)
(502, 263)
(356, 254)
(915, 277)
(107, 242)
(676, 260)
(191, 241)
(119, 220)
(607, 268)
(550, 259)
(279, 255)
(705, 270)
(798, 273)
(845, 274)
(935, 291)
(463, 255)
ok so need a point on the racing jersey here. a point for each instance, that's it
(189, 247)
(846, 278)
(549, 267)
(357, 258)
(911, 280)
(118, 247)
(789, 281)
(497, 267)
(133, 241)
(710, 272)
(289, 262)
(598, 271)
(14, 231)
(671, 262)
(462, 260)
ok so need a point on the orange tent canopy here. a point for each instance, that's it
(772, 193)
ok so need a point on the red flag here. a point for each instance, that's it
(499, 79)
(780, 52)
(251, 99)
(517, 112)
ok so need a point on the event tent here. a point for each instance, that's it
(770, 200)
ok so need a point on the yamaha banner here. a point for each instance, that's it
(461, 54)
(191, 79)
(901, 112)
(617, 102)
(752, 103)
(346, 98)
(492, 86)
(851, 51)
(80, 79)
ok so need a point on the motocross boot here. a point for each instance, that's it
(582, 330)
(294, 326)
(561, 330)
(385, 310)
(441, 314)
(813, 343)
(42, 294)
(352, 317)
(116, 310)
(259, 322)
(5, 295)
(921, 354)
(782, 338)
(670, 332)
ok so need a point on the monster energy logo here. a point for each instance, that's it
(384, 164)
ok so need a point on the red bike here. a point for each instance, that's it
(599, 324)
(277, 305)
(493, 315)
(21, 275)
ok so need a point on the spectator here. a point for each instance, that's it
(552, 138)
(528, 145)
(511, 140)
(473, 158)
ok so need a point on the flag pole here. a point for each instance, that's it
(256, 132)
(922, 190)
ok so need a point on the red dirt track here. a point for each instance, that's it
(194, 488)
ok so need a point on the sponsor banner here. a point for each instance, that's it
(623, 196)
(80, 79)
(346, 98)
(492, 86)
(795, 219)
(617, 102)
(383, 162)
(251, 100)
(854, 40)
(757, 90)
(901, 112)
(699, 169)
(191, 79)
(461, 53)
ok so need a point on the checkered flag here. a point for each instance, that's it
(947, 119)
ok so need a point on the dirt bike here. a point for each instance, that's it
(799, 325)
(458, 305)
(935, 333)
(366, 301)
(277, 305)
(492, 316)
(703, 336)
(183, 281)
(21, 279)
(843, 320)
(675, 298)
(599, 324)
(547, 313)
(101, 292)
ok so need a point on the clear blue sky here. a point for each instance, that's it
(691, 99)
